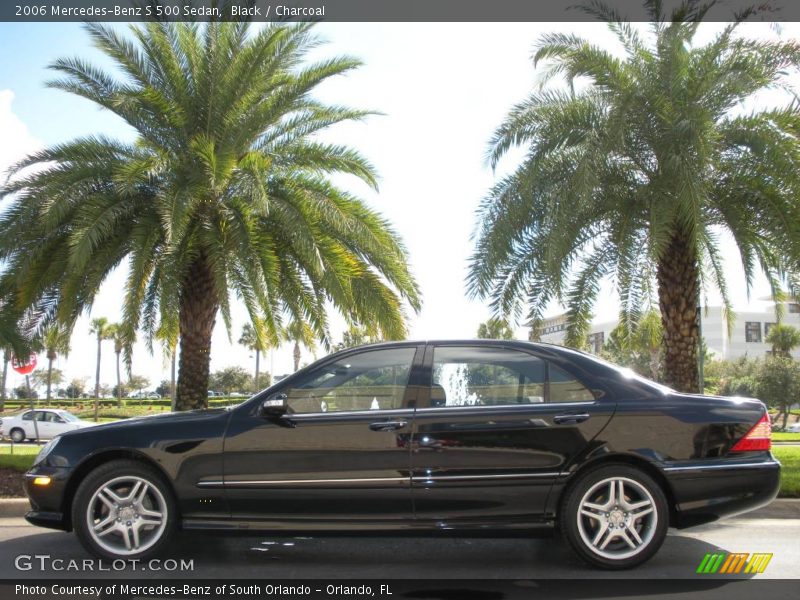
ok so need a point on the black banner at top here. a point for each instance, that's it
(377, 10)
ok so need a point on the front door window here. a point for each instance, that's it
(372, 380)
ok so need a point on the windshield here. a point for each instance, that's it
(68, 416)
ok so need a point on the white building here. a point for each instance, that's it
(747, 338)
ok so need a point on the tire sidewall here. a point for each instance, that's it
(571, 504)
(105, 473)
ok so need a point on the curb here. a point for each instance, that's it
(780, 508)
(14, 507)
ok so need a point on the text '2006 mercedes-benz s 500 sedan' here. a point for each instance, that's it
(420, 436)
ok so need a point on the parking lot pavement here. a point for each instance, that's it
(320, 557)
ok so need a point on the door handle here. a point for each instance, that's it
(387, 425)
(579, 418)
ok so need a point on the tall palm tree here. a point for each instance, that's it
(102, 330)
(12, 340)
(784, 339)
(633, 173)
(116, 333)
(225, 191)
(169, 340)
(356, 335)
(4, 377)
(54, 341)
(495, 329)
(300, 332)
(254, 340)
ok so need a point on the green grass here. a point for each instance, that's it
(21, 460)
(790, 470)
(779, 436)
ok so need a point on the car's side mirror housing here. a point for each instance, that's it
(274, 407)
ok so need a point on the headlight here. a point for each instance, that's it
(46, 449)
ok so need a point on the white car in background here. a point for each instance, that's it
(50, 422)
(794, 428)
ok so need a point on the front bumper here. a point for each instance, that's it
(47, 502)
(712, 490)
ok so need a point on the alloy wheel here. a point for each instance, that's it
(126, 515)
(617, 518)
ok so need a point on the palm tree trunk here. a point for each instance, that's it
(678, 280)
(654, 365)
(3, 381)
(97, 380)
(198, 311)
(296, 355)
(258, 357)
(119, 384)
(49, 376)
(172, 379)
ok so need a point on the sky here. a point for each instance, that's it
(442, 89)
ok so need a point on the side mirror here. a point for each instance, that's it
(274, 407)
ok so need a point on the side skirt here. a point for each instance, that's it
(361, 526)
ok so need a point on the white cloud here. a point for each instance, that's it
(17, 140)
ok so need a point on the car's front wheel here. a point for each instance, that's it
(124, 509)
(17, 435)
(615, 517)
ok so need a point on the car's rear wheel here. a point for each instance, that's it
(124, 509)
(17, 435)
(615, 517)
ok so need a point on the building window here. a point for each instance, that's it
(596, 341)
(794, 307)
(554, 329)
(767, 327)
(752, 331)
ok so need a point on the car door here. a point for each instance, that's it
(26, 422)
(44, 420)
(494, 429)
(340, 453)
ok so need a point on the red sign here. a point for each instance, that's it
(22, 366)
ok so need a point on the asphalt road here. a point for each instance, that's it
(329, 557)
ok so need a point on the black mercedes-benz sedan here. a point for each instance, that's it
(420, 436)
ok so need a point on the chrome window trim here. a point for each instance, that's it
(377, 412)
(549, 406)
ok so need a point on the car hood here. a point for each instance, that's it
(160, 418)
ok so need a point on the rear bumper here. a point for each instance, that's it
(711, 490)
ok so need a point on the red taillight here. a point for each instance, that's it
(758, 438)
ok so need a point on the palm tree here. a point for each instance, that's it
(356, 335)
(254, 341)
(4, 378)
(11, 341)
(102, 330)
(634, 176)
(495, 329)
(225, 191)
(55, 341)
(784, 339)
(300, 332)
(116, 333)
(169, 341)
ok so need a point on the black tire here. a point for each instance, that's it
(620, 522)
(114, 473)
(17, 435)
